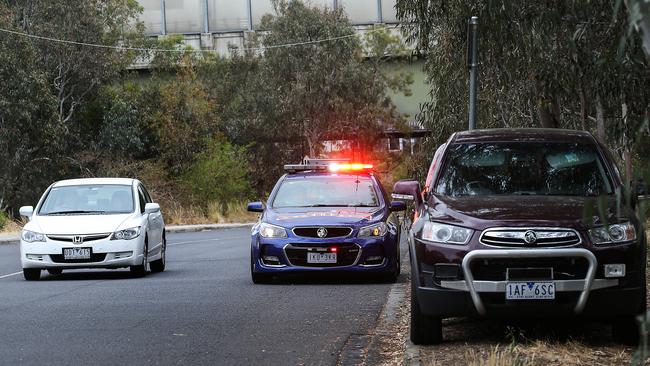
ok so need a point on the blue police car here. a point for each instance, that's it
(325, 215)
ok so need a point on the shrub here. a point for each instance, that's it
(4, 219)
(219, 174)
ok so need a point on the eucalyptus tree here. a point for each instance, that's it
(546, 64)
(324, 90)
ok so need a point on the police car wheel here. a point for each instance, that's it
(395, 270)
(259, 278)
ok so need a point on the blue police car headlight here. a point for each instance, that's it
(272, 231)
(379, 229)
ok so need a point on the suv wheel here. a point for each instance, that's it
(626, 331)
(424, 329)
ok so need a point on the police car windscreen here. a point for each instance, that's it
(326, 192)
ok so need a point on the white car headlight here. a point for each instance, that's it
(611, 234)
(126, 234)
(447, 234)
(272, 231)
(32, 236)
(379, 229)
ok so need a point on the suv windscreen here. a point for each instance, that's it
(88, 199)
(515, 168)
(338, 191)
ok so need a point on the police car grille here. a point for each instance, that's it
(332, 232)
(544, 237)
(346, 254)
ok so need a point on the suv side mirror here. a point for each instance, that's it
(256, 207)
(26, 211)
(150, 208)
(408, 190)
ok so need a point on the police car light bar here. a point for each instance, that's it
(349, 167)
(332, 165)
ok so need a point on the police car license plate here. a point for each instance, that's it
(530, 290)
(321, 257)
(76, 253)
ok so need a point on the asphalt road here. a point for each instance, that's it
(203, 309)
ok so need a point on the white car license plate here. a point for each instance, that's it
(76, 253)
(321, 257)
(530, 290)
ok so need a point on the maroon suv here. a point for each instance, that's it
(524, 223)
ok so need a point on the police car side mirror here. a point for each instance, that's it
(255, 207)
(397, 206)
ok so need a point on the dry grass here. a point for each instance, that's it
(498, 356)
(215, 213)
(12, 227)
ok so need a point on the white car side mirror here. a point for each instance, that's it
(150, 208)
(26, 211)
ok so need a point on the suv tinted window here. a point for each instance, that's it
(562, 169)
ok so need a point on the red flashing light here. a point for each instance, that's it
(333, 249)
(349, 167)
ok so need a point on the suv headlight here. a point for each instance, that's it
(126, 234)
(32, 236)
(272, 231)
(447, 234)
(375, 230)
(611, 234)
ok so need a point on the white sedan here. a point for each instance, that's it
(93, 223)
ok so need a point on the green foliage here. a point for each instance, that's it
(326, 90)
(180, 114)
(4, 219)
(121, 128)
(29, 138)
(219, 174)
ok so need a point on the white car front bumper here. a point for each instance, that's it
(105, 253)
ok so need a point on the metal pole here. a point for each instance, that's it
(472, 64)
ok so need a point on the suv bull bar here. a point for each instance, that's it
(583, 285)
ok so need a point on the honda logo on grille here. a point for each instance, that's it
(77, 239)
(322, 232)
(530, 237)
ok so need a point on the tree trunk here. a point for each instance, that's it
(627, 153)
(583, 107)
(549, 112)
(600, 119)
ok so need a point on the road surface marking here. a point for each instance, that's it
(206, 240)
(11, 274)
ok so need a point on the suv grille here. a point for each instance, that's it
(346, 254)
(563, 268)
(330, 232)
(530, 237)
